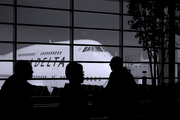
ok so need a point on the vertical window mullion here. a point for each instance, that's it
(121, 27)
(14, 33)
(72, 30)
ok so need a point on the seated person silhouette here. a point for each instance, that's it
(73, 100)
(120, 90)
(16, 92)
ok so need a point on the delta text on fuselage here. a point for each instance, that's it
(49, 62)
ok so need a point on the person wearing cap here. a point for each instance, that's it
(120, 91)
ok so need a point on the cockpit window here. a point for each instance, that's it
(98, 49)
(85, 49)
(93, 48)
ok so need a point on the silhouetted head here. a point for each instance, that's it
(23, 69)
(116, 63)
(74, 72)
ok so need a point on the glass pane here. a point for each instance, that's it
(96, 81)
(94, 20)
(97, 5)
(102, 36)
(43, 17)
(6, 32)
(177, 72)
(6, 51)
(49, 70)
(136, 69)
(96, 70)
(137, 55)
(141, 55)
(126, 26)
(149, 81)
(42, 34)
(45, 3)
(37, 52)
(5, 71)
(166, 70)
(6, 1)
(177, 54)
(95, 53)
(129, 39)
(125, 8)
(1, 83)
(166, 80)
(6, 14)
(177, 40)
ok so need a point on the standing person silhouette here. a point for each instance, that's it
(16, 92)
(120, 91)
(74, 100)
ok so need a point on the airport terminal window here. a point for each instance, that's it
(99, 27)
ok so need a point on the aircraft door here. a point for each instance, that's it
(54, 74)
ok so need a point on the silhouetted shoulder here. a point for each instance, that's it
(8, 85)
(126, 73)
(16, 92)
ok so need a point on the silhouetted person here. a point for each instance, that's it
(16, 92)
(120, 91)
(74, 101)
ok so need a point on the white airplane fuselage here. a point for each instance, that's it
(49, 61)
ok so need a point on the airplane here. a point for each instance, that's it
(49, 61)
